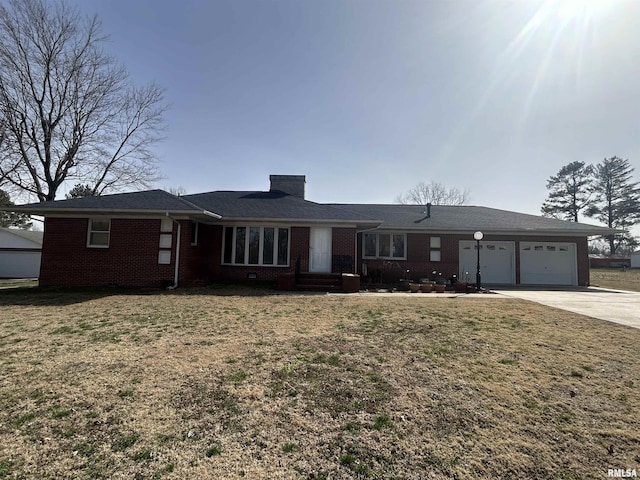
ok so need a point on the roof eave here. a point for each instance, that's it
(299, 220)
(504, 231)
(107, 211)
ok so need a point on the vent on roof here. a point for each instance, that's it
(426, 212)
(291, 184)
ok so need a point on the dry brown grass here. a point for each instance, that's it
(616, 278)
(219, 383)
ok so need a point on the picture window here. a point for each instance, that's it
(252, 245)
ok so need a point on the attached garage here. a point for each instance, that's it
(548, 263)
(497, 262)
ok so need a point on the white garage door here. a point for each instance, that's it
(497, 265)
(548, 263)
(17, 264)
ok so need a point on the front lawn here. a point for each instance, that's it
(227, 383)
(616, 278)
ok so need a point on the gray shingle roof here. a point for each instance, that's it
(271, 205)
(275, 205)
(467, 218)
(148, 200)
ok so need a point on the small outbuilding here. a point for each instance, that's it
(20, 253)
(635, 259)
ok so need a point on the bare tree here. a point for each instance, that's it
(435, 193)
(178, 191)
(69, 110)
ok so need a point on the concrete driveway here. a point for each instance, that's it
(611, 305)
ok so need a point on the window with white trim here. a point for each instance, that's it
(165, 240)
(164, 257)
(252, 245)
(385, 245)
(166, 225)
(434, 249)
(98, 233)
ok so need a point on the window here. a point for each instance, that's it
(166, 225)
(164, 257)
(228, 242)
(370, 242)
(240, 241)
(434, 252)
(268, 246)
(194, 233)
(256, 246)
(98, 233)
(165, 240)
(385, 245)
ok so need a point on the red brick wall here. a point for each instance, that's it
(343, 242)
(420, 266)
(132, 256)
(130, 260)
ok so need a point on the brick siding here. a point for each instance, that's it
(343, 242)
(420, 266)
(132, 256)
(130, 260)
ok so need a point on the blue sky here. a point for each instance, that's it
(368, 98)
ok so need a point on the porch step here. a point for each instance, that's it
(319, 282)
(318, 288)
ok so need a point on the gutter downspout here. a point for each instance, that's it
(177, 263)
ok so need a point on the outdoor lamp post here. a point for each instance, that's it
(478, 236)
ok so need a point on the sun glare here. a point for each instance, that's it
(567, 11)
(571, 9)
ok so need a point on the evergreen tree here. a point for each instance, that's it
(11, 219)
(569, 191)
(616, 201)
(80, 190)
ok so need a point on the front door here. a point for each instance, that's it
(320, 250)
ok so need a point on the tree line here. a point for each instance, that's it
(605, 192)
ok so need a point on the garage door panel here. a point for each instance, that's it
(496, 262)
(19, 264)
(548, 263)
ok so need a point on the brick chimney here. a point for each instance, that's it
(291, 184)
